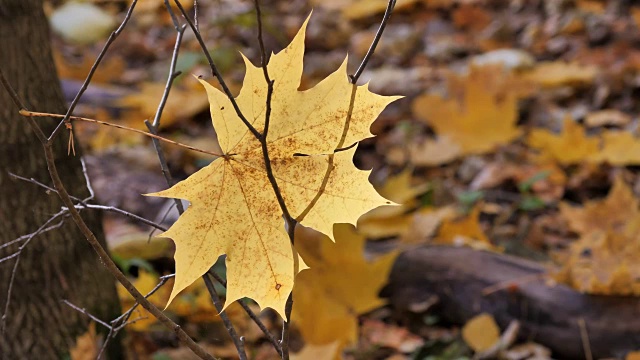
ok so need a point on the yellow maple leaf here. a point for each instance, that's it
(620, 148)
(604, 259)
(466, 231)
(317, 352)
(233, 208)
(611, 213)
(484, 118)
(571, 146)
(339, 281)
(86, 346)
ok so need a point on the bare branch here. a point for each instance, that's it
(30, 114)
(92, 71)
(216, 72)
(85, 312)
(374, 43)
(3, 320)
(238, 341)
(251, 314)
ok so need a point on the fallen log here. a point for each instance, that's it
(549, 315)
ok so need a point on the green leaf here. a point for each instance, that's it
(469, 198)
(529, 203)
(526, 185)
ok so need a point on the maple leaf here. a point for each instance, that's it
(620, 148)
(611, 213)
(466, 231)
(233, 208)
(339, 281)
(604, 259)
(571, 146)
(465, 122)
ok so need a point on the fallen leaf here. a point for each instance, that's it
(386, 221)
(359, 9)
(109, 66)
(464, 121)
(571, 146)
(620, 148)
(86, 346)
(391, 336)
(425, 223)
(233, 208)
(317, 352)
(481, 332)
(558, 73)
(183, 103)
(145, 282)
(471, 17)
(611, 213)
(606, 117)
(340, 281)
(603, 263)
(633, 355)
(603, 259)
(436, 152)
(81, 23)
(466, 231)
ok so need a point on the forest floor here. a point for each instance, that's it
(516, 135)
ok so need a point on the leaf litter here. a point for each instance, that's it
(565, 109)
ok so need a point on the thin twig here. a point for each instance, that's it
(174, 19)
(44, 186)
(88, 314)
(92, 71)
(25, 237)
(108, 262)
(251, 314)
(216, 72)
(286, 327)
(238, 341)
(153, 128)
(31, 114)
(374, 43)
(3, 320)
(195, 14)
(83, 205)
(122, 212)
(584, 336)
(87, 181)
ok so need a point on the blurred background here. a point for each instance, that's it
(517, 135)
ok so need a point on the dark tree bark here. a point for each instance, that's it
(59, 264)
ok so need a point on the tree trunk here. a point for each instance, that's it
(59, 264)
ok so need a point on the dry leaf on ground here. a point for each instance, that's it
(558, 73)
(611, 213)
(464, 120)
(86, 346)
(571, 146)
(317, 352)
(620, 148)
(481, 332)
(466, 231)
(340, 281)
